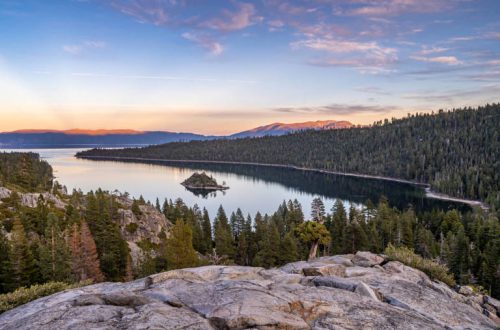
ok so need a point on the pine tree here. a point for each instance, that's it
(136, 209)
(337, 227)
(317, 210)
(289, 251)
(22, 261)
(54, 253)
(459, 260)
(206, 227)
(146, 265)
(314, 234)
(179, 247)
(353, 236)
(224, 243)
(6, 283)
(85, 261)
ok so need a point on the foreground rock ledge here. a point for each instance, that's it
(345, 292)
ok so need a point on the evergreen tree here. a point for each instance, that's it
(337, 226)
(459, 260)
(288, 249)
(314, 234)
(317, 210)
(354, 236)
(21, 258)
(84, 258)
(206, 227)
(54, 253)
(6, 283)
(223, 237)
(179, 247)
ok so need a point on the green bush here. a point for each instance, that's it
(409, 258)
(24, 295)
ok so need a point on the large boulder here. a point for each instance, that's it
(328, 270)
(233, 297)
(4, 192)
(367, 259)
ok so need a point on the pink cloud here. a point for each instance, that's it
(449, 60)
(144, 11)
(234, 20)
(206, 42)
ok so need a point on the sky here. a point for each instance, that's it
(218, 67)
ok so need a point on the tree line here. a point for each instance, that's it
(469, 244)
(456, 152)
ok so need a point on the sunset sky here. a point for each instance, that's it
(218, 67)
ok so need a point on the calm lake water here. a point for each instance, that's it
(252, 188)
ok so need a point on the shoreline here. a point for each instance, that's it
(427, 187)
(210, 188)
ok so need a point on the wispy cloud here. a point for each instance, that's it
(395, 7)
(205, 41)
(77, 49)
(371, 56)
(159, 77)
(152, 12)
(449, 60)
(373, 90)
(244, 16)
(426, 50)
(450, 96)
(338, 109)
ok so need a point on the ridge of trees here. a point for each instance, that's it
(456, 152)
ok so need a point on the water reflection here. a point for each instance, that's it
(252, 188)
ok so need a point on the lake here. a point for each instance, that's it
(252, 188)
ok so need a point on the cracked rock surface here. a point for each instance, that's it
(359, 291)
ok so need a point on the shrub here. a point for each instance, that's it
(132, 227)
(24, 295)
(429, 267)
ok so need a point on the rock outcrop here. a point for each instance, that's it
(31, 199)
(148, 226)
(387, 295)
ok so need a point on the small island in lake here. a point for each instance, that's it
(202, 181)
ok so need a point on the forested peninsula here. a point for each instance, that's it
(456, 152)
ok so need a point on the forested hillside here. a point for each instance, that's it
(25, 171)
(75, 237)
(457, 152)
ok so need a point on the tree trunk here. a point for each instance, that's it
(313, 250)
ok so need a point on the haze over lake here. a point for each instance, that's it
(252, 188)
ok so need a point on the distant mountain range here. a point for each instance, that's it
(80, 138)
(281, 129)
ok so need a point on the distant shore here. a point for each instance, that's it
(427, 187)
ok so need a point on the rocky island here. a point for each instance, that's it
(201, 181)
(353, 291)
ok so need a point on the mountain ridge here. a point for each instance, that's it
(77, 137)
(278, 128)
